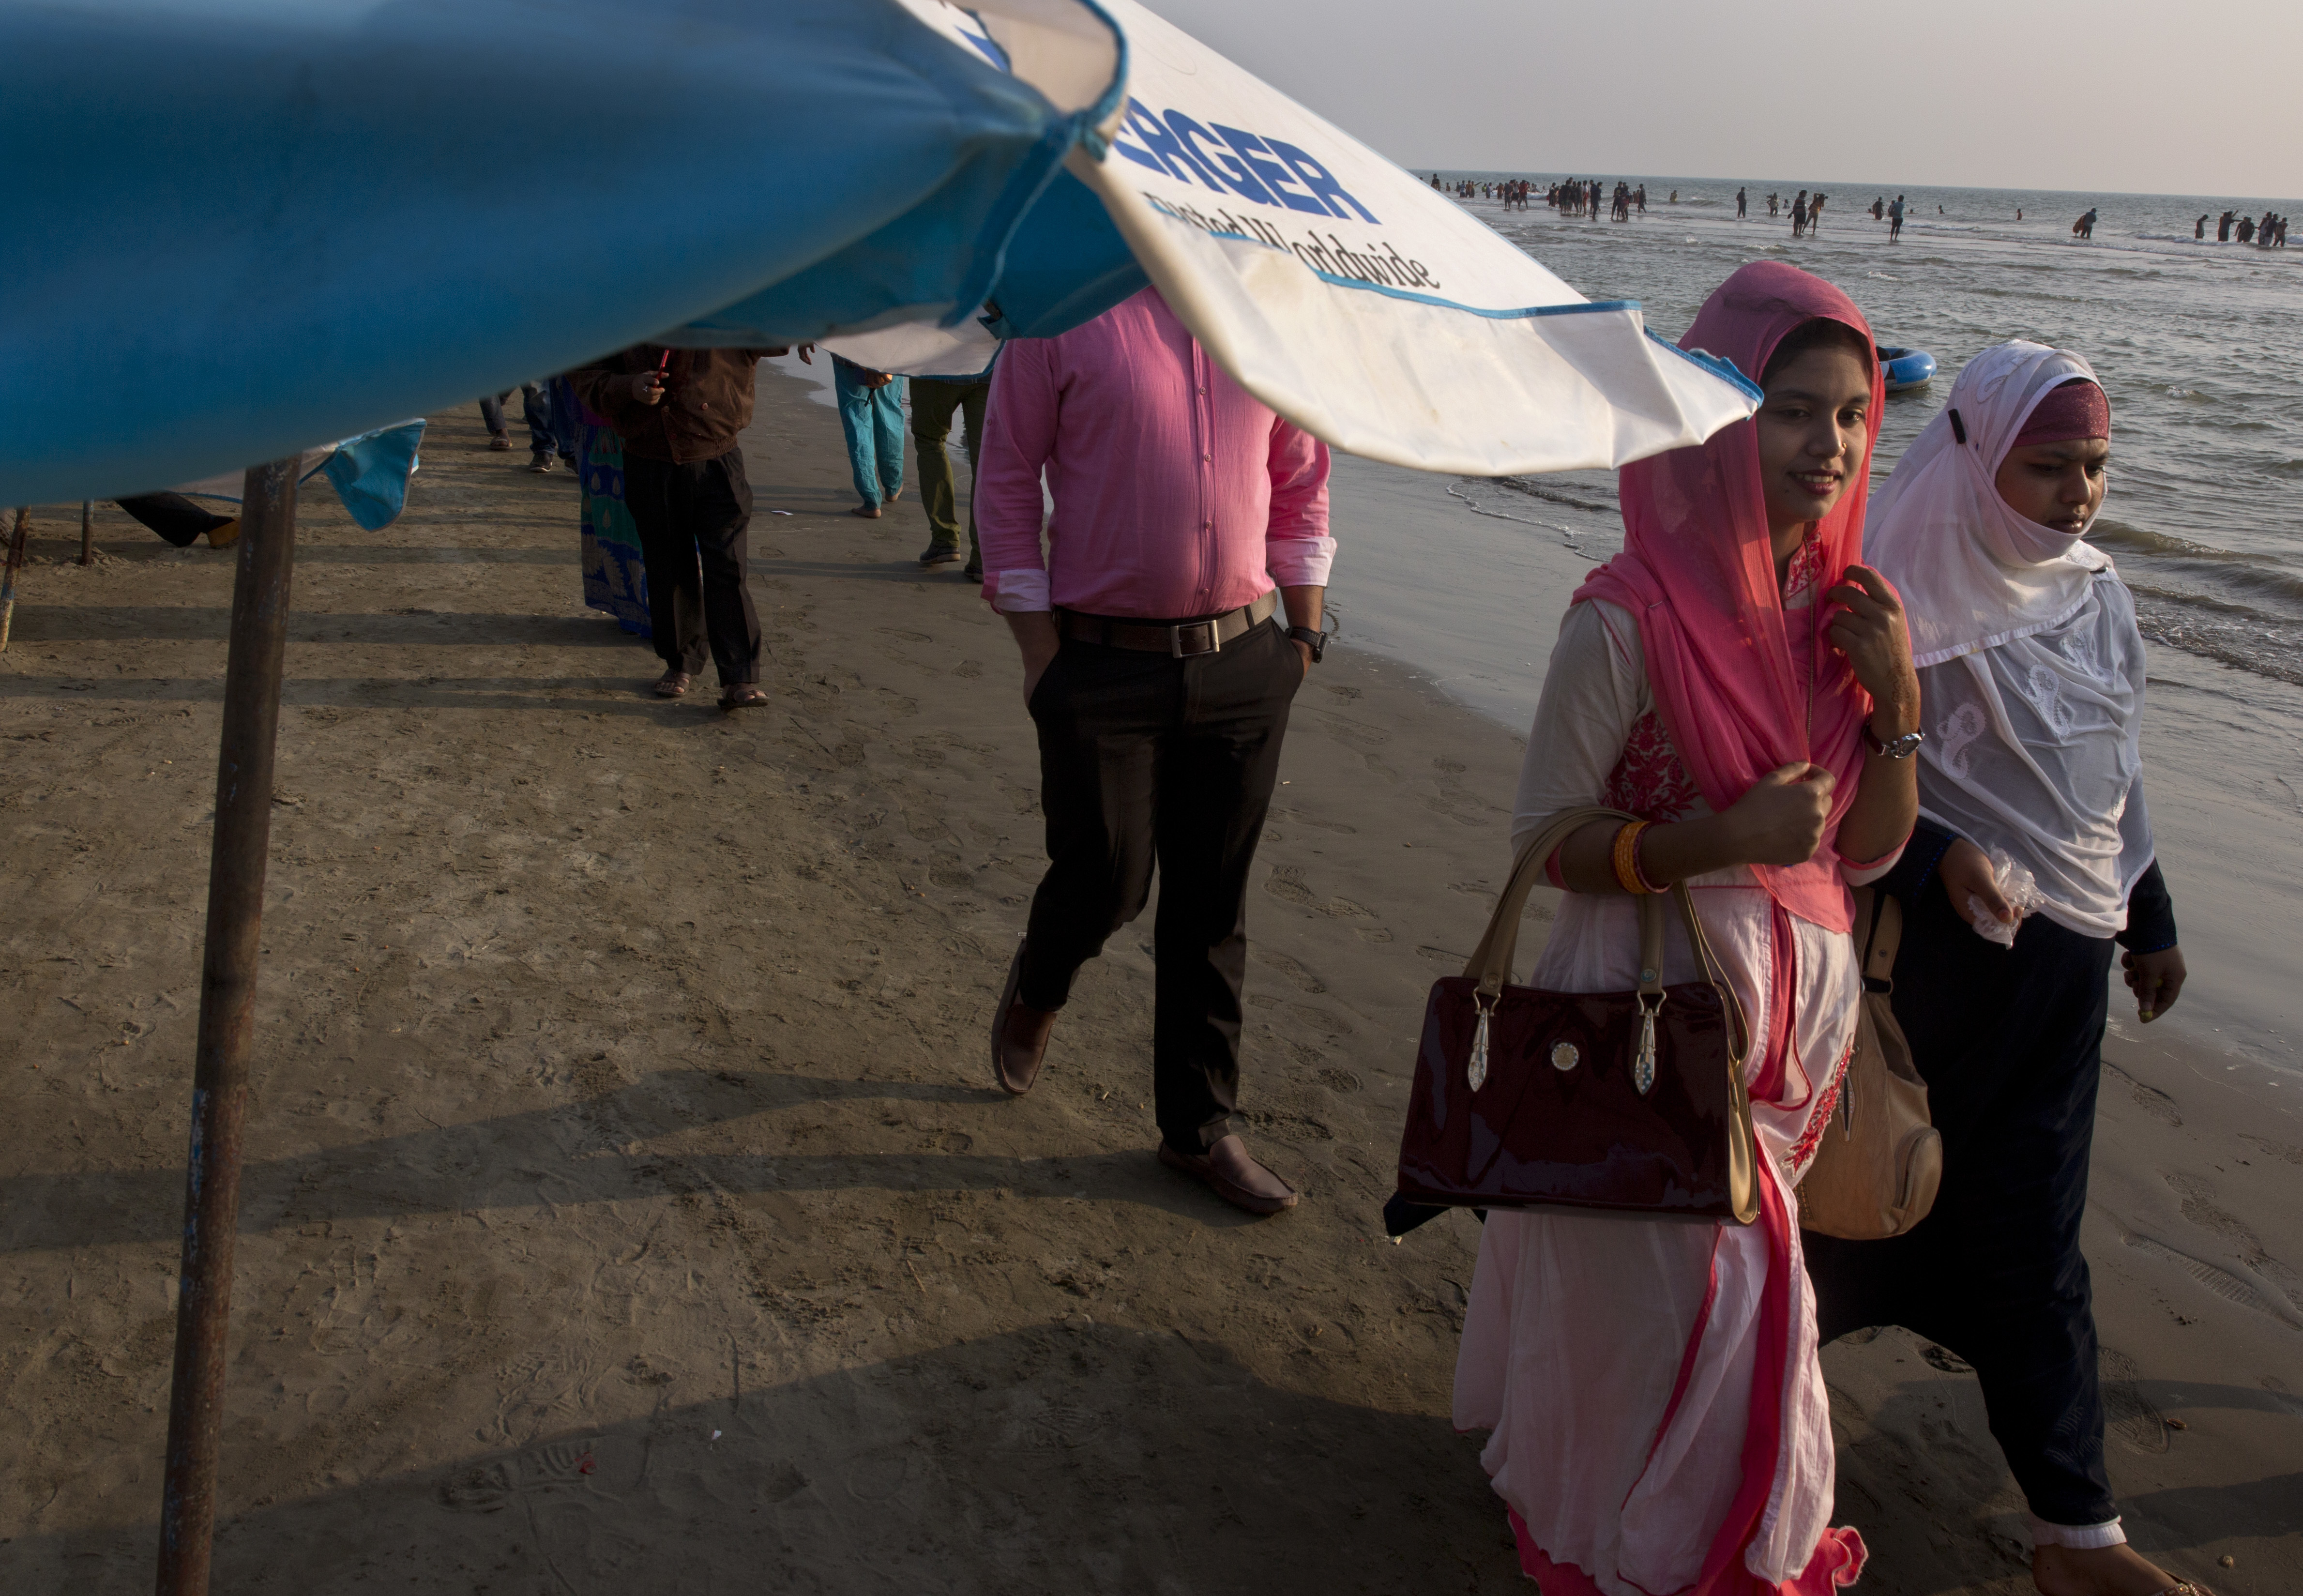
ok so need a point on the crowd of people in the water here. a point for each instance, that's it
(2270, 233)
(1581, 199)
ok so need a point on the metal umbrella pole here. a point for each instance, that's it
(88, 531)
(236, 867)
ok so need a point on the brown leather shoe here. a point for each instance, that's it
(1205, 1167)
(1019, 1035)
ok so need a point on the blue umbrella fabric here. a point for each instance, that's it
(369, 473)
(237, 226)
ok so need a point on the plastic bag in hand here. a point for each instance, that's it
(2018, 886)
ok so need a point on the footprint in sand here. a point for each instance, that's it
(1304, 979)
(2130, 1414)
(2149, 1099)
(1285, 883)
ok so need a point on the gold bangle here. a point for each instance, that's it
(1625, 858)
(1640, 867)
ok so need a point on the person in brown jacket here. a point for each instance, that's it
(677, 411)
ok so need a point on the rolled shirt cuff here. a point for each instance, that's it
(1017, 592)
(2078, 1537)
(1300, 562)
(1864, 874)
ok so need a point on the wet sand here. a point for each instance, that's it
(628, 1206)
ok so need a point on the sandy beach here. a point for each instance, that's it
(630, 1208)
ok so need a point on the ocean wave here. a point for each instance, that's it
(2182, 598)
(2254, 650)
(1550, 495)
(2124, 535)
(1456, 492)
(2254, 575)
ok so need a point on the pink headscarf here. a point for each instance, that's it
(1698, 572)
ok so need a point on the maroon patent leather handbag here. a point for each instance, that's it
(1631, 1101)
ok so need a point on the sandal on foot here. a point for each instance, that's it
(744, 694)
(673, 684)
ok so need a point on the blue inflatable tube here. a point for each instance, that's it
(1904, 370)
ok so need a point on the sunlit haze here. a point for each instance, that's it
(2119, 96)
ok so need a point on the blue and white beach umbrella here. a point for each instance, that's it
(235, 227)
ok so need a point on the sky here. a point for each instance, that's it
(2115, 96)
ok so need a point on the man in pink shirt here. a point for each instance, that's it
(1159, 679)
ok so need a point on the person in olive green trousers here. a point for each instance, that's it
(933, 402)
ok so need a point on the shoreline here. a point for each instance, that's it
(627, 1201)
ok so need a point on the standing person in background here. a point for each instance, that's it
(1740, 200)
(2084, 228)
(1896, 220)
(934, 399)
(567, 421)
(536, 411)
(1738, 681)
(1815, 213)
(2223, 227)
(678, 412)
(1880, 207)
(1159, 682)
(872, 416)
(2032, 679)
(2200, 227)
(1799, 214)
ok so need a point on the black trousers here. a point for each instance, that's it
(692, 521)
(2010, 1043)
(1146, 759)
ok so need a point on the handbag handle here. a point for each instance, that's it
(1490, 964)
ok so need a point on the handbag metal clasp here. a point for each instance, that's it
(1476, 1071)
(1643, 1061)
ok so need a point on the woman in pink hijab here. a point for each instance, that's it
(1736, 679)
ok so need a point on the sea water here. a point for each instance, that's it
(2195, 343)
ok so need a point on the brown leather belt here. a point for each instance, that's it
(1184, 638)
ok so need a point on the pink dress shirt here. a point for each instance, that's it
(1177, 494)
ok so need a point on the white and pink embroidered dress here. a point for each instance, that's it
(1659, 1417)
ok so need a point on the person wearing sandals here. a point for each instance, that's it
(2032, 674)
(1159, 677)
(678, 412)
(1659, 1417)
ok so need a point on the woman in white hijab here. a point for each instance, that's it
(2031, 676)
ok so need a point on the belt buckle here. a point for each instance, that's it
(1176, 649)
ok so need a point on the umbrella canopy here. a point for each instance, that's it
(1348, 294)
(239, 225)
(236, 227)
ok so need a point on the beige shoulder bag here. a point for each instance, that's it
(1880, 1160)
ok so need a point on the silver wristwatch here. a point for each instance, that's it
(1901, 747)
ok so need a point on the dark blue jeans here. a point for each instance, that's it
(535, 409)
